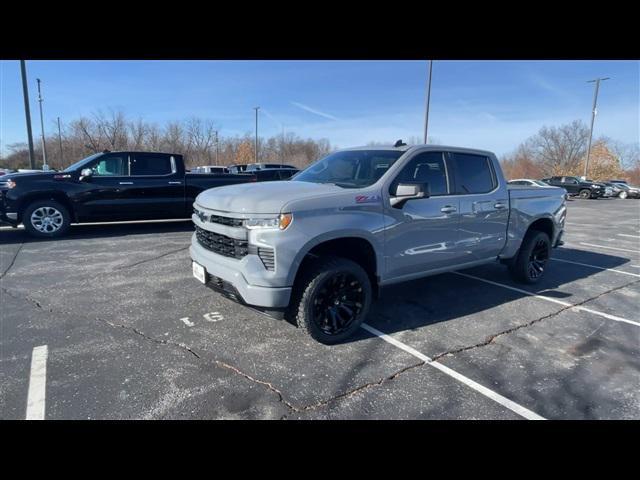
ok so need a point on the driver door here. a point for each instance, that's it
(422, 234)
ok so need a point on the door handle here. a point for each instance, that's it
(126, 183)
(448, 209)
(175, 183)
(499, 206)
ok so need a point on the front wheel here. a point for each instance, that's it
(623, 194)
(331, 299)
(531, 261)
(46, 219)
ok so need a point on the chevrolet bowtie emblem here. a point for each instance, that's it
(202, 216)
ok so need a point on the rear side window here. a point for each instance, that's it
(151, 165)
(473, 173)
(428, 168)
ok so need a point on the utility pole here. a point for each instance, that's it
(593, 117)
(256, 152)
(44, 148)
(217, 147)
(27, 113)
(426, 115)
(282, 147)
(60, 142)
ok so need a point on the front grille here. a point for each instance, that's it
(267, 256)
(221, 244)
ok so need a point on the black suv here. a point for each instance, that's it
(575, 186)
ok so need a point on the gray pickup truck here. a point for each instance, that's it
(318, 247)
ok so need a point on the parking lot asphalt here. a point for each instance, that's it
(130, 334)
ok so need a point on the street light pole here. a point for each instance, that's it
(60, 142)
(593, 117)
(256, 151)
(44, 148)
(27, 113)
(426, 115)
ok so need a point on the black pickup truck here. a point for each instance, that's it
(107, 186)
(575, 186)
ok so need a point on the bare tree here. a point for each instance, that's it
(560, 149)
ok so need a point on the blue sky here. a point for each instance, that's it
(484, 104)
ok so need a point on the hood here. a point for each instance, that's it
(261, 197)
(29, 175)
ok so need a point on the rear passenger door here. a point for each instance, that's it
(484, 206)
(157, 186)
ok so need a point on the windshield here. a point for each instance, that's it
(79, 163)
(350, 168)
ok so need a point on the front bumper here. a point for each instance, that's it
(226, 276)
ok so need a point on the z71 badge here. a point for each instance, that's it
(367, 198)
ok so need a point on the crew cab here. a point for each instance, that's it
(318, 247)
(574, 186)
(107, 186)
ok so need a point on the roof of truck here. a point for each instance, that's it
(405, 148)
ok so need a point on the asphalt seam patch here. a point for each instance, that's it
(13, 260)
(239, 372)
(491, 338)
(152, 259)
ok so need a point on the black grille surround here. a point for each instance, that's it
(221, 244)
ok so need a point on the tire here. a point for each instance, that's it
(530, 263)
(46, 219)
(315, 308)
(585, 193)
(623, 194)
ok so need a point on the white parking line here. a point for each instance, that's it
(627, 235)
(599, 268)
(37, 383)
(609, 248)
(553, 300)
(496, 397)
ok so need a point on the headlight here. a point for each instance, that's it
(282, 222)
(595, 186)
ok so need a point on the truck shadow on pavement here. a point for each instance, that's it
(11, 236)
(448, 296)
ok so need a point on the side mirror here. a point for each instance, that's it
(409, 191)
(85, 173)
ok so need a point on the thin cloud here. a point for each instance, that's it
(312, 110)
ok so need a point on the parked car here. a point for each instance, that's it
(252, 167)
(270, 174)
(239, 168)
(528, 181)
(628, 191)
(575, 186)
(318, 248)
(108, 186)
(210, 169)
(615, 190)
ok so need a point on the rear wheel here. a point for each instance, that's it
(530, 263)
(585, 193)
(46, 219)
(623, 194)
(332, 299)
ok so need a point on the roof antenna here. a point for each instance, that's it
(399, 143)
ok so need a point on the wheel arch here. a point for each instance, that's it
(38, 196)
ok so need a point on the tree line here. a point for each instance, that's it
(560, 150)
(198, 139)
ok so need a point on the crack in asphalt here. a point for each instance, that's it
(491, 338)
(152, 259)
(236, 370)
(13, 260)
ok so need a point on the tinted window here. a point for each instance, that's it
(110, 166)
(473, 173)
(151, 165)
(428, 168)
(285, 174)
